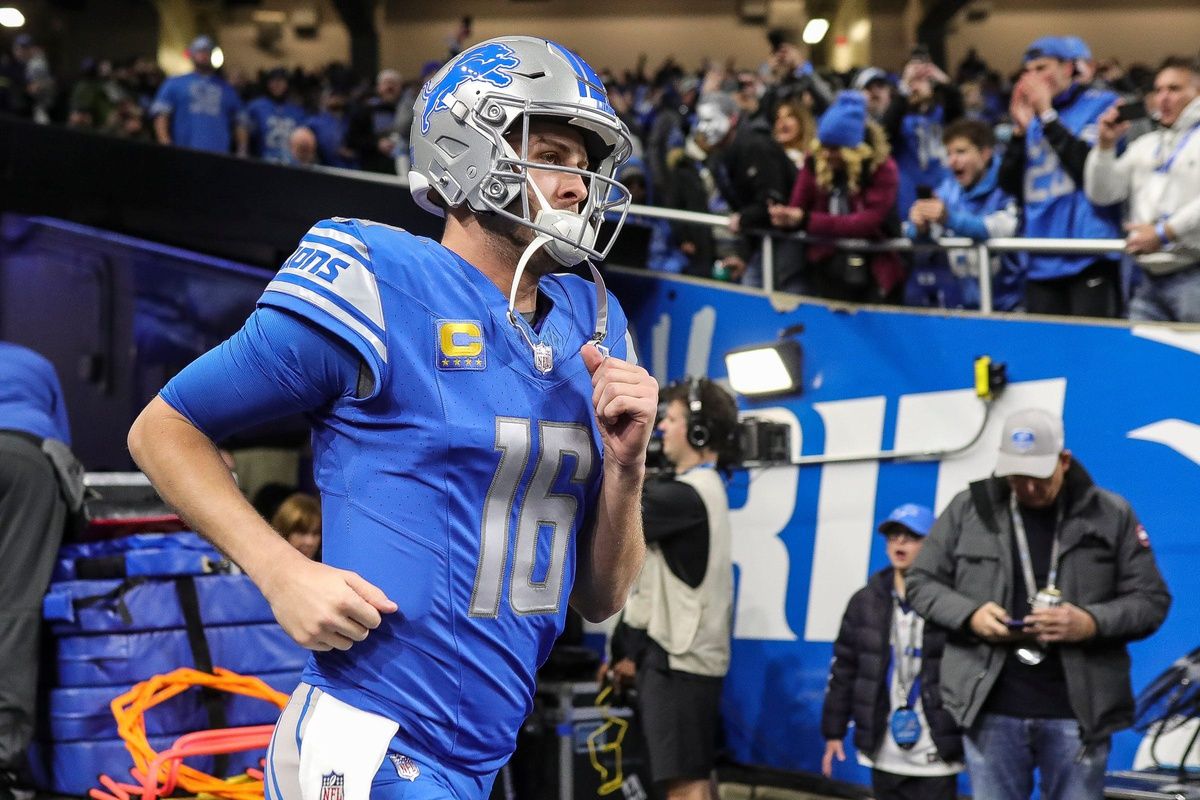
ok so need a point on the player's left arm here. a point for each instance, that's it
(625, 399)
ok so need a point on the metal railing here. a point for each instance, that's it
(983, 248)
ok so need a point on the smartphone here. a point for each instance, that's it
(1132, 111)
(1016, 624)
(924, 192)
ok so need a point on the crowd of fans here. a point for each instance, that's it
(782, 148)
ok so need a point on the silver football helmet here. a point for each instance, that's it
(489, 92)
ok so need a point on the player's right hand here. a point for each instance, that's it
(322, 607)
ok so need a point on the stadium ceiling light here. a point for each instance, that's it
(218, 57)
(11, 17)
(815, 30)
(770, 368)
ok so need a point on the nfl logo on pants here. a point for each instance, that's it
(333, 786)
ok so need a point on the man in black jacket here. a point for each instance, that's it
(1042, 577)
(884, 678)
(750, 171)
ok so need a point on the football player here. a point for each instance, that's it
(479, 433)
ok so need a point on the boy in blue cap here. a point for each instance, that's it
(884, 678)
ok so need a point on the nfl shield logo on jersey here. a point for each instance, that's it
(405, 767)
(333, 786)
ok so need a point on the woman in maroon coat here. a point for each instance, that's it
(847, 190)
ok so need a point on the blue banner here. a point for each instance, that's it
(804, 537)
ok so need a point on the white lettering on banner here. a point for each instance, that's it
(660, 336)
(759, 553)
(1184, 340)
(845, 512)
(945, 420)
(1181, 436)
(704, 322)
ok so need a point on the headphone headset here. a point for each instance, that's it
(698, 431)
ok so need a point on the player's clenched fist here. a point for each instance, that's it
(322, 607)
(625, 399)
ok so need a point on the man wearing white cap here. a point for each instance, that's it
(1045, 577)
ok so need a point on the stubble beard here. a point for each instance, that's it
(509, 239)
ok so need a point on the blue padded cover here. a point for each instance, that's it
(144, 554)
(142, 604)
(125, 659)
(76, 767)
(83, 713)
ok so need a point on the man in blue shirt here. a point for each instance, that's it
(924, 104)
(268, 121)
(33, 514)
(198, 110)
(1054, 120)
(479, 449)
(968, 203)
(330, 127)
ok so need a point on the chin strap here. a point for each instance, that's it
(543, 354)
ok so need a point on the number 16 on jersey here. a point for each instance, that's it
(539, 507)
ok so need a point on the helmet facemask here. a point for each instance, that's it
(572, 235)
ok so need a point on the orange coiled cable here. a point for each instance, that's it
(158, 774)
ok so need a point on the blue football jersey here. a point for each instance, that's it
(1055, 207)
(920, 155)
(203, 109)
(270, 124)
(458, 484)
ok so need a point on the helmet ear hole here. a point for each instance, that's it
(452, 147)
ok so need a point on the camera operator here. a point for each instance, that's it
(1159, 175)
(1042, 578)
(674, 640)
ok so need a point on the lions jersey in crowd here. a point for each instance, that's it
(920, 155)
(1055, 207)
(270, 123)
(203, 109)
(455, 478)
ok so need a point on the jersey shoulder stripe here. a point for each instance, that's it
(330, 281)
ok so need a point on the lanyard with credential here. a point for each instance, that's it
(1165, 166)
(1023, 548)
(906, 658)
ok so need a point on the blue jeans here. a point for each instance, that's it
(1002, 753)
(1167, 298)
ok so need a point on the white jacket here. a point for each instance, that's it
(1155, 194)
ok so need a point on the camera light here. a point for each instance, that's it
(765, 369)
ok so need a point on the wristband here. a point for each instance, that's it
(1161, 230)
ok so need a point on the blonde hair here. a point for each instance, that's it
(299, 513)
(863, 159)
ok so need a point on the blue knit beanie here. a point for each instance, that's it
(844, 124)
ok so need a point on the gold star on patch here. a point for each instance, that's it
(479, 362)
(445, 362)
(458, 362)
